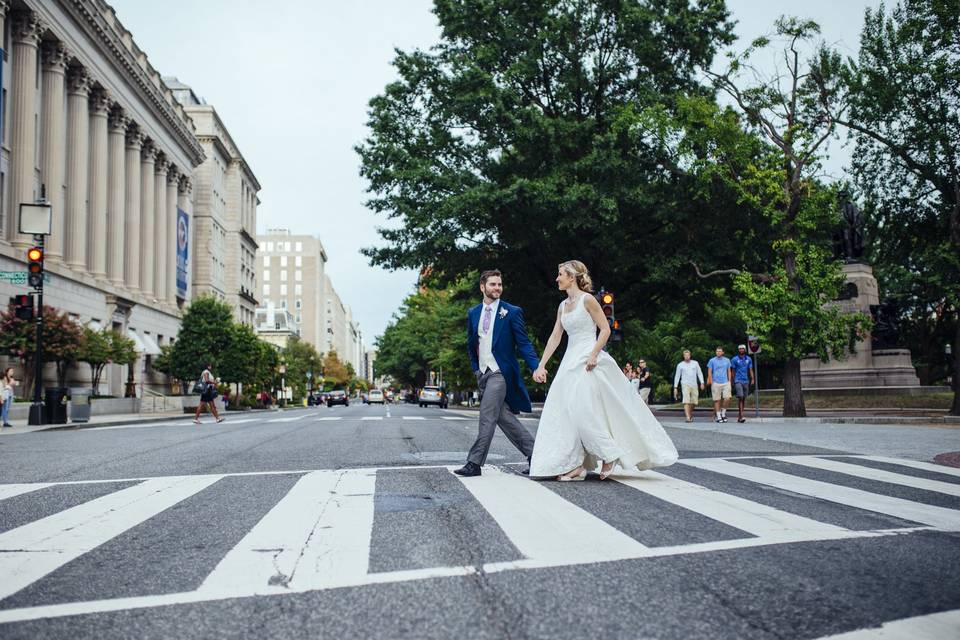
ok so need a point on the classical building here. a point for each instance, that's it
(88, 120)
(291, 270)
(276, 326)
(224, 212)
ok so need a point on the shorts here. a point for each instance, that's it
(645, 394)
(741, 389)
(690, 394)
(720, 391)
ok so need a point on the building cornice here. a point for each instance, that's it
(224, 141)
(90, 16)
(249, 238)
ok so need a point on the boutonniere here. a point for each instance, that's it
(503, 313)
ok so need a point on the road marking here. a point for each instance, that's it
(11, 490)
(33, 550)
(916, 464)
(293, 419)
(740, 513)
(138, 426)
(414, 418)
(330, 418)
(317, 535)
(372, 418)
(945, 519)
(543, 526)
(869, 473)
(934, 626)
(453, 418)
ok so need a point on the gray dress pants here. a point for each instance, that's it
(494, 411)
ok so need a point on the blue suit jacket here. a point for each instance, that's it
(509, 337)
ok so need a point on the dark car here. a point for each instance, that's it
(338, 396)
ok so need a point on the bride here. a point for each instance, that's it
(592, 413)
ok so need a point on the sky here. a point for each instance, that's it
(291, 81)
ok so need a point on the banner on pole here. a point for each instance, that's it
(183, 241)
(753, 345)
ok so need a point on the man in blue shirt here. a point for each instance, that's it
(742, 377)
(719, 374)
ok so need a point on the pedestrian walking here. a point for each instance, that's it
(687, 378)
(644, 380)
(742, 378)
(7, 383)
(719, 374)
(208, 394)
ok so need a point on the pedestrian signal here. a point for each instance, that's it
(35, 266)
(22, 306)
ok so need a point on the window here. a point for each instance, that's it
(266, 261)
(283, 261)
(283, 304)
(298, 304)
(298, 289)
(286, 246)
(298, 317)
(283, 275)
(299, 246)
(268, 246)
(298, 276)
(298, 260)
(266, 289)
(266, 275)
(283, 290)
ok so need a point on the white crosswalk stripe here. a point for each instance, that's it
(414, 418)
(318, 535)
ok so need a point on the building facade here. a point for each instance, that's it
(276, 326)
(224, 212)
(291, 269)
(89, 122)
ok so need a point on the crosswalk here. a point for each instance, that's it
(319, 530)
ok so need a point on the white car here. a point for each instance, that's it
(432, 395)
(375, 397)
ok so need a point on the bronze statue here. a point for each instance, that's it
(849, 241)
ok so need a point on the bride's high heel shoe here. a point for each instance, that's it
(577, 478)
(606, 474)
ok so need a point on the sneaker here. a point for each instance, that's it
(718, 420)
(723, 418)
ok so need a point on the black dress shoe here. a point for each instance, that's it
(526, 471)
(468, 470)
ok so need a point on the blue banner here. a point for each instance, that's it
(183, 241)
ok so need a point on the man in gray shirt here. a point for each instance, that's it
(686, 380)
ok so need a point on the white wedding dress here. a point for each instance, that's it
(596, 415)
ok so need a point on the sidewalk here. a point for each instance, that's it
(109, 420)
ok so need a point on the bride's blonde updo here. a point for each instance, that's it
(579, 271)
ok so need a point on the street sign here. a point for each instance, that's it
(309, 375)
(753, 345)
(19, 277)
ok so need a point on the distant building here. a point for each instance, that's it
(290, 269)
(275, 326)
(224, 210)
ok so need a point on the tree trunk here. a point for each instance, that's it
(955, 409)
(793, 405)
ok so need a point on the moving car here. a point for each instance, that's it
(338, 396)
(375, 396)
(433, 395)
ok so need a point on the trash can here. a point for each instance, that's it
(55, 405)
(80, 405)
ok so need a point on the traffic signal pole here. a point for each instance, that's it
(36, 409)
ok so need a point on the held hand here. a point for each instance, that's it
(701, 387)
(591, 363)
(540, 375)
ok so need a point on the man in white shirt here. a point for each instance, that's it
(688, 377)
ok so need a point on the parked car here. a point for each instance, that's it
(388, 396)
(375, 396)
(433, 395)
(338, 396)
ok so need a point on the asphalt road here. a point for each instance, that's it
(347, 522)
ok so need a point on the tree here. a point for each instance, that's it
(61, 342)
(796, 114)
(124, 352)
(205, 335)
(904, 92)
(300, 357)
(334, 371)
(96, 350)
(505, 145)
(240, 359)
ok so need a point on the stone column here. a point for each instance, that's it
(161, 215)
(99, 177)
(131, 244)
(184, 199)
(52, 152)
(25, 38)
(116, 194)
(147, 239)
(169, 250)
(78, 155)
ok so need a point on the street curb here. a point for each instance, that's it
(879, 420)
(116, 423)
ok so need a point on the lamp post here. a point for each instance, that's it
(36, 219)
(283, 384)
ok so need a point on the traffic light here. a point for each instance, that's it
(35, 266)
(22, 306)
(607, 300)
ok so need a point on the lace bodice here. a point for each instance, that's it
(580, 328)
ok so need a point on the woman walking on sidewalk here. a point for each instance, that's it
(208, 395)
(7, 383)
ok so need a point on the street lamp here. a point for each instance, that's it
(283, 384)
(37, 219)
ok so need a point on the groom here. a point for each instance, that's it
(495, 332)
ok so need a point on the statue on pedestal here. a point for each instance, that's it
(848, 241)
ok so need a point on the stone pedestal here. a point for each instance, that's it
(867, 367)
